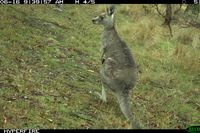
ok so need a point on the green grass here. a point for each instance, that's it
(50, 61)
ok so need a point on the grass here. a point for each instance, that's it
(49, 67)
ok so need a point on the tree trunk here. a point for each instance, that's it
(168, 17)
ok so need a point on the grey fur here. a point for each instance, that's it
(118, 72)
(58, 7)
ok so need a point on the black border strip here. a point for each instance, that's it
(89, 130)
(98, 1)
(133, 1)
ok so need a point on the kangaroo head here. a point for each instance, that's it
(106, 19)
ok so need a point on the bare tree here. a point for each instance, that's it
(177, 10)
(167, 16)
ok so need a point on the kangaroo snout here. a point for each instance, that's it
(94, 20)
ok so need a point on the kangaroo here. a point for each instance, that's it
(118, 72)
(58, 7)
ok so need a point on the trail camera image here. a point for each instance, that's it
(99, 66)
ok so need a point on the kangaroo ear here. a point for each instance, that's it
(110, 9)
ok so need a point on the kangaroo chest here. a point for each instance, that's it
(114, 48)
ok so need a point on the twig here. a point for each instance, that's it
(197, 104)
(180, 5)
(98, 108)
(81, 117)
(5, 119)
(156, 5)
